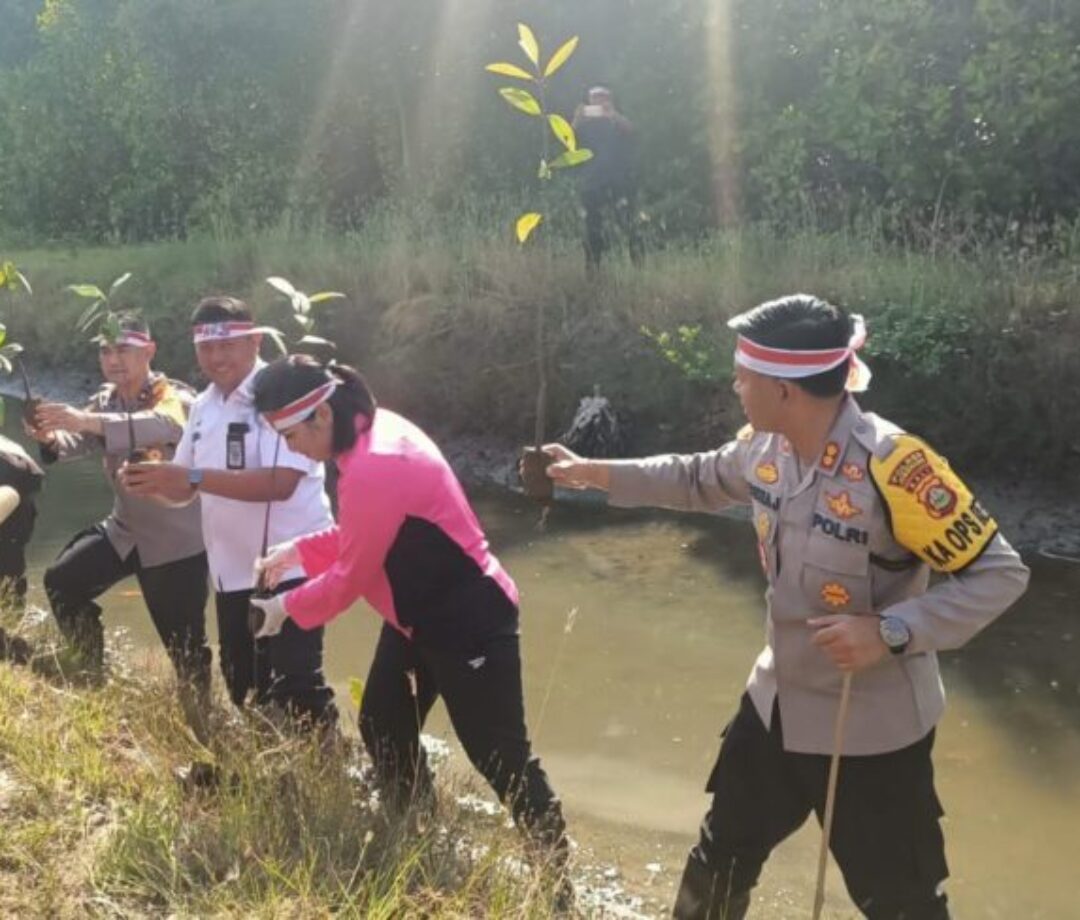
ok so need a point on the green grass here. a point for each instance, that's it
(96, 824)
(970, 338)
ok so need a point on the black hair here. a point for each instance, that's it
(132, 321)
(801, 321)
(287, 379)
(220, 308)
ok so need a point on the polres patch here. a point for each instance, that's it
(933, 513)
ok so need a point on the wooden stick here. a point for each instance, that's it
(830, 795)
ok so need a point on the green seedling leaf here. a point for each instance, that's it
(90, 315)
(5, 365)
(301, 304)
(325, 295)
(526, 224)
(356, 692)
(509, 70)
(569, 158)
(529, 44)
(118, 283)
(521, 99)
(3, 333)
(24, 282)
(282, 285)
(561, 56)
(544, 171)
(87, 290)
(563, 130)
(317, 340)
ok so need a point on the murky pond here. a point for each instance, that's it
(639, 631)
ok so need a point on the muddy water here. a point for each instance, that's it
(639, 630)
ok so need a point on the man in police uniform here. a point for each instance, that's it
(852, 515)
(136, 411)
(249, 481)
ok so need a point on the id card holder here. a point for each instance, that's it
(234, 446)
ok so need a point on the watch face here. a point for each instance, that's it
(894, 632)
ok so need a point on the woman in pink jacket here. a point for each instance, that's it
(409, 544)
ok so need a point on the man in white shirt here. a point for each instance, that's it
(254, 491)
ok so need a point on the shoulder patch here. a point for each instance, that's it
(932, 512)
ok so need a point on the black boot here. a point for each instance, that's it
(705, 895)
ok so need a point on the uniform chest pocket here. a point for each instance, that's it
(835, 575)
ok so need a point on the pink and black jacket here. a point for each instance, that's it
(407, 542)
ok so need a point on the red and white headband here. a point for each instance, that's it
(219, 332)
(299, 409)
(133, 338)
(791, 364)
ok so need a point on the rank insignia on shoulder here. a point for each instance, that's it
(830, 455)
(842, 506)
(835, 594)
(933, 513)
(767, 473)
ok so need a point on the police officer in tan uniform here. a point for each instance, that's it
(852, 515)
(137, 413)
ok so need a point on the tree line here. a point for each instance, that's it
(130, 120)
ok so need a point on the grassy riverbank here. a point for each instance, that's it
(971, 339)
(96, 824)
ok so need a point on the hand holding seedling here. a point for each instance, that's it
(574, 472)
(271, 568)
(52, 417)
(167, 481)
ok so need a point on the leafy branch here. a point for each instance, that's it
(300, 305)
(14, 282)
(100, 311)
(534, 104)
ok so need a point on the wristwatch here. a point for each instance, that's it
(195, 477)
(895, 634)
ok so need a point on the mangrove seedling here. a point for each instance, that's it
(300, 305)
(534, 461)
(15, 282)
(100, 310)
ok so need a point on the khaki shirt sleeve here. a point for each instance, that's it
(164, 424)
(707, 482)
(952, 611)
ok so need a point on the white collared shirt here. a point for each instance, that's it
(233, 530)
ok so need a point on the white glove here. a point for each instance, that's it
(274, 615)
(271, 568)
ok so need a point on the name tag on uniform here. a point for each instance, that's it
(234, 446)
